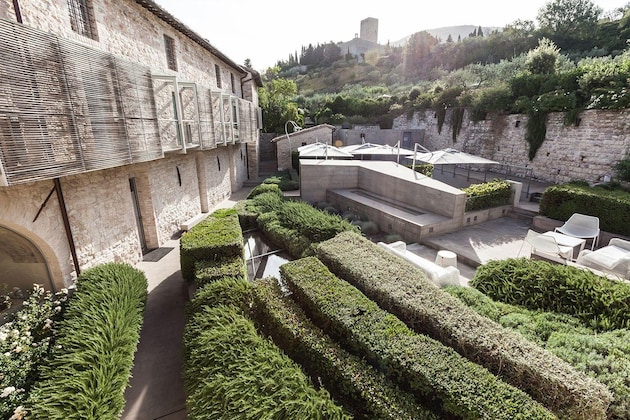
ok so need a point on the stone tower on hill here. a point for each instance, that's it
(369, 29)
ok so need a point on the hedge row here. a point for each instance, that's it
(600, 302)
(402, 289)
(294, 226)
(604, 356)
(434, 371)
(611, 206)
(91, 362)
(348, 377)
(210, 271)
(217, 237)
(488, 194)
(232, 372)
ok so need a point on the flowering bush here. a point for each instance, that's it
(25, 340)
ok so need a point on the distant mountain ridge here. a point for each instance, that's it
(454, 31)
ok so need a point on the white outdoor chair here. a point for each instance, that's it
(581, 226)
(613, 258)
(547, 247)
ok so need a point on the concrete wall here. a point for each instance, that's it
(318, 176)
(377, 136)
(584, 152)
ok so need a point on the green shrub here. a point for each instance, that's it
(284, 181)
(622, 168)
(604, 356)
(264, 188)
(599, 302)
(611, 206)
(488, 194)
(424, 169)
(222, 291)
(438, 373)
(349, 378)
(217, 237)
(210, 271)
(288, 239)
(91, 363)
(232, 372)
(402, 289)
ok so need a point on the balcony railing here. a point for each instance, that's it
(67, 108)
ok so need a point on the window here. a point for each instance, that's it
(232, 82)
(169, 46)
(217, 71)
(82, 18)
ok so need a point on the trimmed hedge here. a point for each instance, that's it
(210, 271)
(604, 356)
(217, 237)
(294, 225)
(402, 289)
(611, 206)
(232, 372)
(601, 303)
(436, 372)
(488, 194)
(223, 291)
(346, 376)
(91, 363)
(264, 188)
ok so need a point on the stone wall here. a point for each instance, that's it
(587, 151)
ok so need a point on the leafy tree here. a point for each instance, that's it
(569, 22)
(542, 60)
(248, 63)
(276, 101)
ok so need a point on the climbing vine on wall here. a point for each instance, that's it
(441, 115)
(457, 118)
(536, 131)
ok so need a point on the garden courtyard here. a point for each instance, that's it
(157, 389)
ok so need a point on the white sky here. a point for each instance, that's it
(268, 31)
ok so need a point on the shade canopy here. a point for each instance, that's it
(381, 149)
(323, 150)
(451, 157)
(352, 147)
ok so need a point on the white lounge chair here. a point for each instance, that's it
(547, 247)
(581, 226)
(613, 258)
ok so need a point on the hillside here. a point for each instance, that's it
(454, 31)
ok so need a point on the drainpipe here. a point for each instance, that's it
(66, 225)
(16, 8)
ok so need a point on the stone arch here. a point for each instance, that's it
(26, 259)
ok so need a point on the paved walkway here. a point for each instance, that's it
(156, 390)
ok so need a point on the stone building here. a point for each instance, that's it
(287, 143)
(367, 40)
(117, 125)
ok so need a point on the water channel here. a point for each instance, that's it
(263, 259)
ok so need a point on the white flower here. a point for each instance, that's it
(3, 336)
(57, 308)
(18, 414)
(7, 391)
(48, 323)
(64, 291)
(18, 349)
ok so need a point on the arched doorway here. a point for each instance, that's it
(22, 264)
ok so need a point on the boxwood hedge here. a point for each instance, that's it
(91, 363)
(349, 378)
(488, 194)
(230, 371)
(603, 355)
(611, 206)
(597, 301)
(217, 237)
(436, 372)
(402, 289)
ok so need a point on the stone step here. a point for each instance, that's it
(522, 214)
